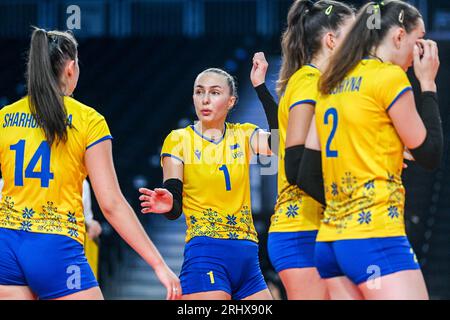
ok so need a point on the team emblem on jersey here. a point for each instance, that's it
(236, 149)
(235, 146)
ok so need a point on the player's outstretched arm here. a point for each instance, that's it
(120, 215)
(169, 199)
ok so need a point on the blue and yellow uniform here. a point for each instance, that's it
(41, 213)
(221, 250)
(362, 158)
(297, 216)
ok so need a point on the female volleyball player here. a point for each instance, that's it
(206, 176)
(49, 143)
(365, 117)
(313, 33)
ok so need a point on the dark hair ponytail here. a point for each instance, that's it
(47, 56)
(306, 23)
(362, 39)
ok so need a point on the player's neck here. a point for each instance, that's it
(211, 130)
(384, 53)
(320, 61)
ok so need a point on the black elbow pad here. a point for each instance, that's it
(429, 153)
(269, 104)
(292, 159)
(175, 186)
(310, 178)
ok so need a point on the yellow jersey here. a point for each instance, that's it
(43, 186)
(295, 210)
(362, 154)
(216, 181)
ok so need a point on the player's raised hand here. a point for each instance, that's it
(426, 63)
(156, 201)
(259, 69)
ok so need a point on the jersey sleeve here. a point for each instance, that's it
(393, 83)
(249, 130)
(173, 146)
(97, 130)
(304, 90)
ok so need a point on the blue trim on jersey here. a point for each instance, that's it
(171, 156)
(311, 65)
(207, 139)
(398, 97)
(99, 140)
(251, 138)
(372, 58)
(310, 101)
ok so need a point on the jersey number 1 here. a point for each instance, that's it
(334, 114)
(211, 277)
(226, 173)
(43, 153)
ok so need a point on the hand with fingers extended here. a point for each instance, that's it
(259, 69)
(156, 201)
(170, 281)
(426, 64)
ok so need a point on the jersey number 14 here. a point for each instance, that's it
(42, 153)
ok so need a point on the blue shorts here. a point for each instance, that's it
(364, 259)
(289, 250)
(51, 265)
(221, 264)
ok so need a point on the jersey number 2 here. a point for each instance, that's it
(334, 114)
(43, 153)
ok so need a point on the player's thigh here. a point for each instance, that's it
(403, 285)
(303, 284)
(342, 288)
(261, 295)
(210, 295)
(16, 293)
